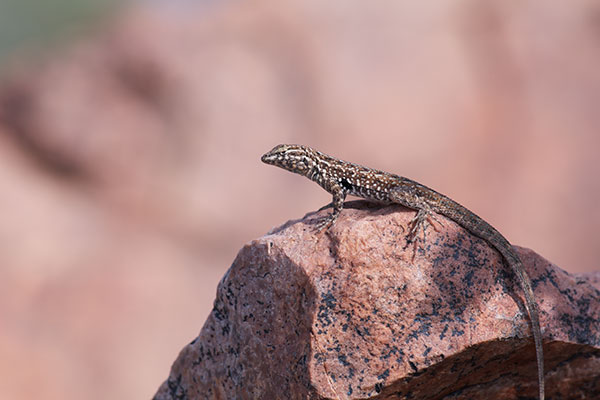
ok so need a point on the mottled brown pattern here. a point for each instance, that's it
(341, 178)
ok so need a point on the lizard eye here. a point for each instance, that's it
(301, 165)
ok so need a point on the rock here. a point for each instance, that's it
(356, 312)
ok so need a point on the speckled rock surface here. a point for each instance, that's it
(356, 313)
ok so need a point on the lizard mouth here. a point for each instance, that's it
(268, 158)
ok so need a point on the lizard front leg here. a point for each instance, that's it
(339, 195)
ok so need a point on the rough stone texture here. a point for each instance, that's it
(357, 313)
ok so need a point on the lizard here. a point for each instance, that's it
(341, 178)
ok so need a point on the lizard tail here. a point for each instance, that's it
(535, 322)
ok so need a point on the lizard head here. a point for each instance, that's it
(293, 157)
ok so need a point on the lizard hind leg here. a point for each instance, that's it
(419, 223)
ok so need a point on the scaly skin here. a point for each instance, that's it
(341, 178)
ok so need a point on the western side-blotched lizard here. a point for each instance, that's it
(341, 178)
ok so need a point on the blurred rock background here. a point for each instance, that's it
(130, 138)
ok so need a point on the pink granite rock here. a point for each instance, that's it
(357, 313)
